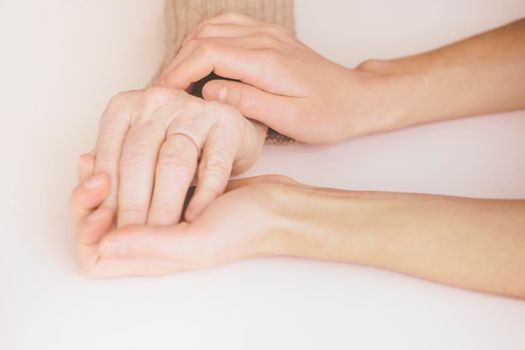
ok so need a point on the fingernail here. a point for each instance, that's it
(113, 248)
(222, 94)
(93, 181)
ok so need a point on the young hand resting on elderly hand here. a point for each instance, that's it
(151, 141)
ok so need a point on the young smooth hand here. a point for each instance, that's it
(282, 82)
(153, 142)
(237, 225)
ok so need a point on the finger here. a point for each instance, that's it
(113, 129)
(252, 42)
(89, 233)
(256, 42)
(89, 195)
(136, 173)
(234, 18)
(222, 30)
(224, 60)
(96, 265)
(153, 242)
(85, 166)
(176, 168)
(228, 18)
(275, 111)
(215, 168)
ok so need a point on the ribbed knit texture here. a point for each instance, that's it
(183, 16)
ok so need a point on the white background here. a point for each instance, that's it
(61, 60)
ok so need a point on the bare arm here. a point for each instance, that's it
(470, 243)
(479, 75)
(294, 90)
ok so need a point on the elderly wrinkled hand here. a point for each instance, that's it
(153, 143)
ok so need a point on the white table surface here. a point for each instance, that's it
(60, 62)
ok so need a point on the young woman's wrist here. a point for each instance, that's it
(386, 92)
(320, 223)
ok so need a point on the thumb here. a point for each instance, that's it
(151, 242)
(275, 111)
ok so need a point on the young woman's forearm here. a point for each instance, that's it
(479, 75)
(471, 243)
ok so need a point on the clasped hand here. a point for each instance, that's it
(152, 143)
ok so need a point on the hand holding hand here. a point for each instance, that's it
(283, 83)
(239, 224)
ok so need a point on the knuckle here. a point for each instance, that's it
(163, 206)
(205, 48)
(266, 40)
(275, 30)
(121, 97)
(158, 95)
(113, 115)
(216, 170)
(217, 164)
(271, 56)
(206, 29)
(132, 209)
(117, 109)
(134, 157)
(179, 168)
(231, 15)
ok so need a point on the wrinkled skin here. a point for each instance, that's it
(153, 143)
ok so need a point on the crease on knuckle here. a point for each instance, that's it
(266, 40)
(135, 156)
(164, 206)
(216, 167)
(206, 48)
(177, 167)
(231, 15)
(158, 96)
(206, 29)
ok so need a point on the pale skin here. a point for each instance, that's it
(470, 243)
(154, 142)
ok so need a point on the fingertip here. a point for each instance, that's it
(215, 90)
